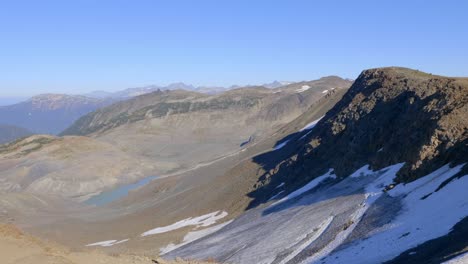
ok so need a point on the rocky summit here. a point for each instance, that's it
(388, 116)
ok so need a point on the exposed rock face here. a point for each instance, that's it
(388, 116)
(49, 113)
(408, 115)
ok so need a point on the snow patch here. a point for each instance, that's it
(462, 259)
(361, 172)
(311, 124)
(325, 91)
(280, 185)
(323, 226)
(199, 221)
(192, 236)
(281, 145)
(276, 195)
(107, 243)
(372, 193)
(312, 184)
(415, 224)
(303, 89)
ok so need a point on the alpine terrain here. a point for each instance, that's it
(324, 171)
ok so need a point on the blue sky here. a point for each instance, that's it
(80, 46)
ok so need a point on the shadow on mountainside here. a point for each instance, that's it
(387, 133)
(437, 250)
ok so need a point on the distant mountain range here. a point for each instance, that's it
(52, 113)
(49, 113)
(132, 92)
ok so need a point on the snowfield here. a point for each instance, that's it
(415, 223)
(312, 184)
(200, 221)
(340, 221)
(303, 89)
(192, 236)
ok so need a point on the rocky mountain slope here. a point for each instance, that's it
(187, 128)
(380, 174)
(384, 110)
(158, 134)
(366, 175)
(11, 133)
(49, 113)
(74, 162)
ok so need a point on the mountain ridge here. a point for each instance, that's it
(49, 113)
(384, 109)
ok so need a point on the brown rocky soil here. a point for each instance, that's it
(17, 247)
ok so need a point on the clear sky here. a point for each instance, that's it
(80, 46)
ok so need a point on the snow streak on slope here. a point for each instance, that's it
(372, 192)
(462, 259)
(272, 234)
(107, 243)
(311, 125)
(341, 222)
(204, 220)
(426, 215)
(192, 236)
(281, 145)
(312, 184)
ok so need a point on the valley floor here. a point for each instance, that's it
(17, 247)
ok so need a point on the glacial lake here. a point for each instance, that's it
(117, 193)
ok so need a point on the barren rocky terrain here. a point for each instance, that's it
(318, 173)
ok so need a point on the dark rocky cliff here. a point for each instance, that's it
(388, 116)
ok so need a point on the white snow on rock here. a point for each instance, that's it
(192, 236)
(316, 218)
(276, 195)
(462, 259)
(199, 221)
(322, 227)
(303, 89)
(361, 172)
(309, 186)
(107, 243)
(281, 145)
(311, 124)
(416, 222)
(305, 135)
(325, 91)
(279, 185)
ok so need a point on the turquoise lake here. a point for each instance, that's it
(117, 193)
